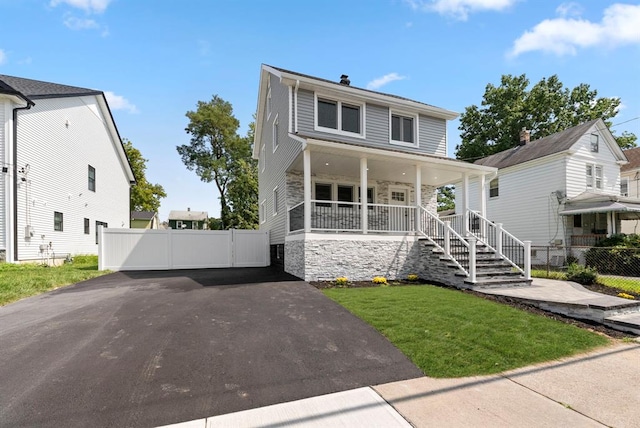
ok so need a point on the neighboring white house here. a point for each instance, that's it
(348, 179)
(630, 186)
(64, 170)
(563, 189)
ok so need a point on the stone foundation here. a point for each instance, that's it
(3, 256)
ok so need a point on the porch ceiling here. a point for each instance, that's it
(382, 166)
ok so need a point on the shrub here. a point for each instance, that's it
(412, 277)
(379, 280)
(581, 274)
(342, 280)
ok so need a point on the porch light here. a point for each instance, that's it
(326, 163)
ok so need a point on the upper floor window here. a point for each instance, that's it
(275, 201)
(340, 117)
(275, 134)
(594, 143)
(86, 226)
(624, 187)
(263, 158)
(403, 129)
(57, 221)
(594, 176)
(494, 189)
(92, 178)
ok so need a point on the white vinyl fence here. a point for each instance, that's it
(140, 249)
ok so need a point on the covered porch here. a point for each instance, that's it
(348, 188)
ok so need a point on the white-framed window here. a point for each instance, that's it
(594, 176)
(269, 102)
(339, 116)
(92, 179)
(263, 158)
(275, 200)
(624, 186)
(58, 221)
(326, 190)
(594, 143)
(494, 188)
(263, 211)
(403, 128)
(274, 135)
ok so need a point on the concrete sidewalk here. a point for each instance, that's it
(590, 390)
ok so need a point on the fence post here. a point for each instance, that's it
(527, 259)
(499, 238)
(170, 248)
(472, 258)
(447, 239)
(100, 248)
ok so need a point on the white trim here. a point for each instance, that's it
(350, 237)
(339, 101)
(290, 124)
(269, 99)
(275, 134)
(263, 211)
(405, 189)
(263, 157)
(275, 201)
(416, 127)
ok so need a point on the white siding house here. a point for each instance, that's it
(630, 187)
(563, 189)
(65, 170)
(348, 179)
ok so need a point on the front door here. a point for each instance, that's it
(398, 213)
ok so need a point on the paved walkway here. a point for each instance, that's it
(591, 390)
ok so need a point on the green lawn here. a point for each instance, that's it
(451, 334)
(24, 280)
(626, 284)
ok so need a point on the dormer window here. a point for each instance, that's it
(339, 117)
(403, 129)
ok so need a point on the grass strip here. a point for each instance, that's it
(447, 333)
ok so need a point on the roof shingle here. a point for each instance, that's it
(35, 89)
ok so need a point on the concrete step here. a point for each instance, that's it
(629, 322)
(498, 282)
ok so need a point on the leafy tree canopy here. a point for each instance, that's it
(217, 153)
(446, 198)
(544, 109)
(144, 195)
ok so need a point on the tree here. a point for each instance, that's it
(242, 189)
(144, 195)
(446, 198)
(548, 107)
(217, 153)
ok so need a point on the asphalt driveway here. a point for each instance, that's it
(152, 348)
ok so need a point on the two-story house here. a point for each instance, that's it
(348, 178)
(630, 187)
(64, 170)
(560, 190)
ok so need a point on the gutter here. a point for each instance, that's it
(15, 175)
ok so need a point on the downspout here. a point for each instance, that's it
(295, 107)
(15, 176)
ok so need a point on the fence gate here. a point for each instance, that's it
(143, 249)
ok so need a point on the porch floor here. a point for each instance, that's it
(573, 300)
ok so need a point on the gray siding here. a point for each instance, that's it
(432, 131)
(276, 162)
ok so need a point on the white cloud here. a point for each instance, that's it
(381, 81)
(3, 57)
(459, 9)
(118, 102)
(569, 9)
(89, 6)
(80, 23)
(564, 36)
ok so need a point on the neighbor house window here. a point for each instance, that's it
(86, 226)
(403, 129)
(275, 201)
(92, 178)
(494, 190)
(57, 221)
(275, 134)
(100, 223)
(577, 220)
(594, 143)
(338, 116)
(624, 187)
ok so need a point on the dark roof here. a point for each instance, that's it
(549, 145)
(633, 156)
(35, 89)
(142, 215)
(338, 84)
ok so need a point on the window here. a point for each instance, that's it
(494, 190)
(403, 129)
(589, 176)
(86, 226)
(345, 194)
(398, 197)
(263, 211)
(100, 223)
(339, 117)
(92, 178)
(594, 176)
(624, 187)
(263, 158)
(598, 177)
(57, 221)
(577, 220)
(369, 195)
(275, 134)
(275, 201)
(323, 193)
(594, 143)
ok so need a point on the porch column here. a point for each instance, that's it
(364, 211)
(483, 195)
(306, 157)
(418, 192)
(465, 203)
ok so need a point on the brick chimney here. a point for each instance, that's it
(344, 80)
(525, 137)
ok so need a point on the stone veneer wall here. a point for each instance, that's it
(360, 258)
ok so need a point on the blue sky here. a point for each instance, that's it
(156, 59)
